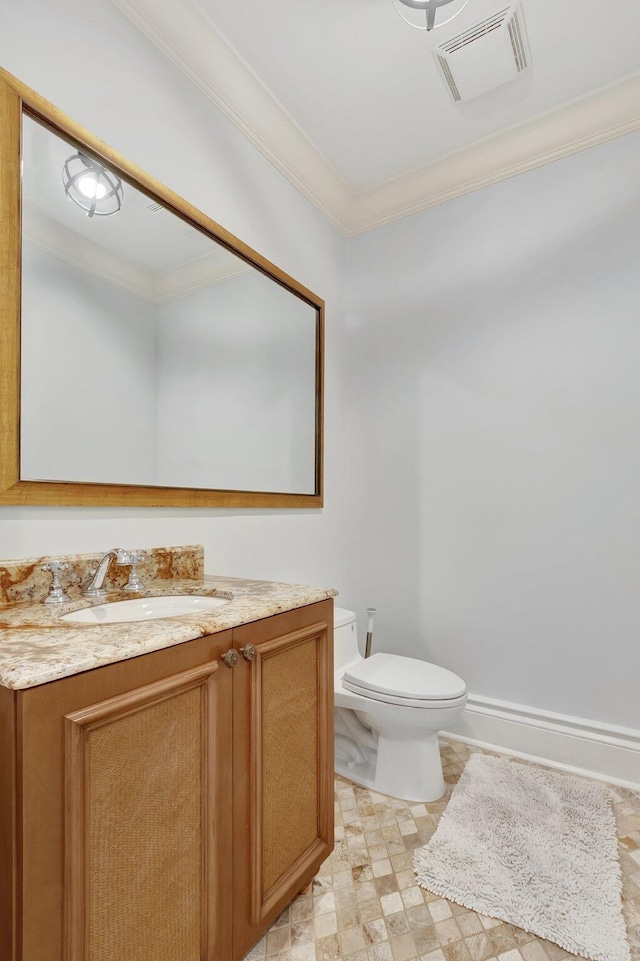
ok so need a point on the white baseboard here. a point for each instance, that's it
(601, 751)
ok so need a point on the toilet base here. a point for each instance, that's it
(412, 768)
(392, 748)
(363, 773)
(409, 770)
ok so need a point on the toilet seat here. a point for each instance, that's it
(405, 681)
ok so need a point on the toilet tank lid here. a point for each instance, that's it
(341, 617)
(405, 677)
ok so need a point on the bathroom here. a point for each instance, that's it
(480, 439)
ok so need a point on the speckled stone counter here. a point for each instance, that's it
(25, 580)
(37, 647)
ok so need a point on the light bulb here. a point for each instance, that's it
(91, 187)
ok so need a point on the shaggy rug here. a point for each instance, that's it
(534, 848)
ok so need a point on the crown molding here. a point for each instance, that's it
(604, 115)
(189, 39)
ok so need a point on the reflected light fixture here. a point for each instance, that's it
(91, 186)
(425, 14)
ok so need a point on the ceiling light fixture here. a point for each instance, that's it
(91, 186)
(425, 15)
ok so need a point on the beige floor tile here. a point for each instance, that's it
(397, 924)
(380, 952)
(469, 923)
(304, 952)
(375, 931)
(366, 906)
(426, 941)
(456, 951)
(534, 952)
(370, 909)
(328, 949)
(387, 884)
(448, 931)
(324, 904)
(439, 910)
(302, 932)
(479, 947)
(403, 948)
(351, 941)
(278, 939)
(391, 903)
(326, 924)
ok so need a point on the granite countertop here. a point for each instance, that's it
(37, 647)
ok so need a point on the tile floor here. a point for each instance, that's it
(365, 905)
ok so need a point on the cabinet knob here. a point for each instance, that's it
(249, 652)
(231, 658)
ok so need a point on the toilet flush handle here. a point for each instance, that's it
(371, 612)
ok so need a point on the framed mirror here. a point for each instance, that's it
(148, 357)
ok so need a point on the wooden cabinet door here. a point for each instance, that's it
(134, 862)
(283, 764)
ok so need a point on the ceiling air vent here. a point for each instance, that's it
(488, 54)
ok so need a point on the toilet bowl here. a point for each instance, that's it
(388, 711)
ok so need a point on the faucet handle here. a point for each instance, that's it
(133, 558)
(56, 595)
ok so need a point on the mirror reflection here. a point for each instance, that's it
(151, 354)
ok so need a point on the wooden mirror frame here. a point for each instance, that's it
(16, 99)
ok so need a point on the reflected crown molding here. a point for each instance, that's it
(189, 39)
(193, 276)
(54, 238)
(158, 288)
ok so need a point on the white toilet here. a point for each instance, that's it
(388, 711)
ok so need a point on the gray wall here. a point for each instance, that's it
(487, 487)
(495, 434)
(121, 88)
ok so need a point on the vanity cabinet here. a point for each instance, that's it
(283, 763)
(168, 806)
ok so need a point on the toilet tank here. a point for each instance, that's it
(345, 637)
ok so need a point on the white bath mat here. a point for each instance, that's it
(534, 848)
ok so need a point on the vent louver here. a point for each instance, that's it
(488, 54)
(154, 207)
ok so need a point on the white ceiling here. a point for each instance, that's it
(346, 98)
(366, 90)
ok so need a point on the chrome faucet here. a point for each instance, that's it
(95, 587)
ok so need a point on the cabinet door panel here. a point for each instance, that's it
(101, 754)
(287, 718)
(287, 740)
(139, 775)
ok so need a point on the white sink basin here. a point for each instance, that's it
(144, 609)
